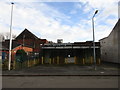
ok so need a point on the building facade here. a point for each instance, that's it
(15, 47)
(29, 39)
(77, 52)
(26, 41)
(110, 46)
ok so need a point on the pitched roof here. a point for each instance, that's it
(26, 34)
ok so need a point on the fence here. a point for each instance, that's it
(54, 60)
(20, 65)
(71, 60)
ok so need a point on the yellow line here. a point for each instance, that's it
(83, 61)
(75, 60)
(57, 59)
(42, 61)
(50, 61)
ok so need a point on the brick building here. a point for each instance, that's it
(15, 47)
(26, 41)
(29, 39)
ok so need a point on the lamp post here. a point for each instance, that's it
(10, 45)
(94, 39)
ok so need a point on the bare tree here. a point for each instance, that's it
(2, 38)
(14, 36)
(7, 35)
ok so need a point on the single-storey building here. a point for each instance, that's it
(77, 52)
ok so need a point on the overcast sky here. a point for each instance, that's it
(52, 20)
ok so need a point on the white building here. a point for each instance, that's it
(110, 46)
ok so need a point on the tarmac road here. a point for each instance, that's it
(70, 76)
(60, 81)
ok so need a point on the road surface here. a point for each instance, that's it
(60, 81)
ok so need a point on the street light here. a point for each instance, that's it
(10, 45)
(94, 40)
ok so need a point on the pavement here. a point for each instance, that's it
(105, 69)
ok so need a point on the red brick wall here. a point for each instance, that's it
(35, 44)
